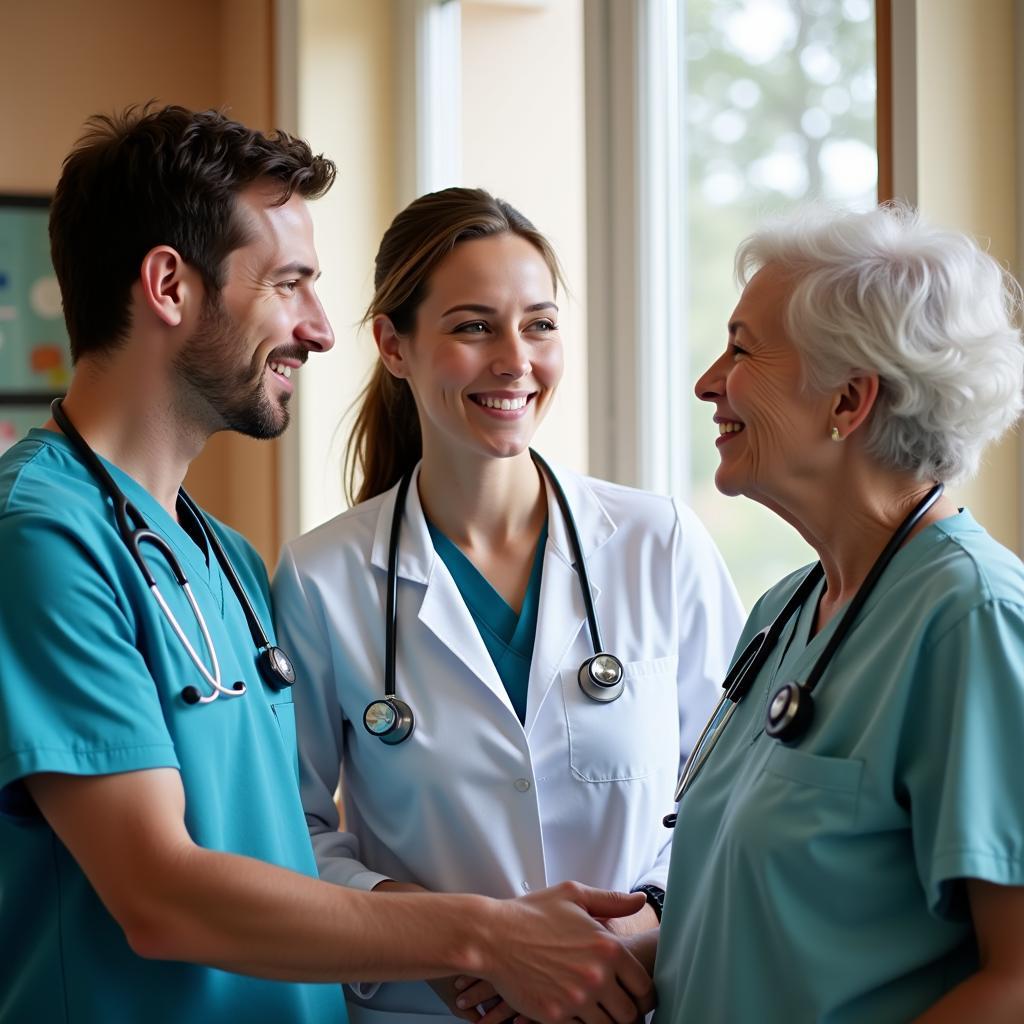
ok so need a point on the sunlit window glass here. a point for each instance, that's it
(780, 109)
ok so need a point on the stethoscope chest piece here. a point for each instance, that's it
(601, 677)
(790, 712)
(389, 719)
(276, 668)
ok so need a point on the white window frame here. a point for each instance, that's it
(428, 107)
(639, 376)
(903, 28)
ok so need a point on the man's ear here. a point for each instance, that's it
(169, 285)
(853, 402)
(389, 345)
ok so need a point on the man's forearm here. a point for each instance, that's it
(250, 917)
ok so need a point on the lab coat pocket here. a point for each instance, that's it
(629, 738)
(284, 714)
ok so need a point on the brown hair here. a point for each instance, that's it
(385, 442)
(145, 177)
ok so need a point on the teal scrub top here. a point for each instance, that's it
(825, 881)
(90, 684)
(507, 636)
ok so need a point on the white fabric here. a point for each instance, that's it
(473, 800)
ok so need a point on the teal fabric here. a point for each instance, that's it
(90, 684)
(825, 881)
(507, 636)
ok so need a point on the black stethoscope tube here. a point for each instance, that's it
(577, 550)
(391, 620)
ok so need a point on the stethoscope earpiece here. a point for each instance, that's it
(389, 719)
(191, 695)
(600, 677)
(790, 713)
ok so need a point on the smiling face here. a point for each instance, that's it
(773, 431)
(484, 357)
(238, 363)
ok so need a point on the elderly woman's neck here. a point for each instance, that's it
(850, 521)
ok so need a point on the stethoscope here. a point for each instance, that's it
(600, 677)
(274, 665)
(791, 709)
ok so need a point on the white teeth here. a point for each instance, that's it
(284, 371)
(729, 427)
(505, 404)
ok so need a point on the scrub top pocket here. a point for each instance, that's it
(284, 713)
(629, 738)
(802, 788)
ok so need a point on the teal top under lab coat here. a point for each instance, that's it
(90, 684)
(824, 881)
(507, 636)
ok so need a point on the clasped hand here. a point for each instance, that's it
(560, 960)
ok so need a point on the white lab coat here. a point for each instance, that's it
(474, 801)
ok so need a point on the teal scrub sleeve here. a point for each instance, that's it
(76, 695)
(960, 757)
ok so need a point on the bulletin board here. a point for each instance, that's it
(35, 359)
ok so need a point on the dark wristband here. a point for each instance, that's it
(655, 897)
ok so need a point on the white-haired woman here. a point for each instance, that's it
(851, 834)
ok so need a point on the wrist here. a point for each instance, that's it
(479, 925)
(655, 896)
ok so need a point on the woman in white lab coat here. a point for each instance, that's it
(512, 778)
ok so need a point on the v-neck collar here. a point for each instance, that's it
(800, 650)
(485, 603)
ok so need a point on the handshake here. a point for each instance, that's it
(561, 954)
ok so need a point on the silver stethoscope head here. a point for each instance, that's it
(389, 719)
(601, 678)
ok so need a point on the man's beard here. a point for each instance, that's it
(222, 390)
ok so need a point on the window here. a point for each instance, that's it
(759, 104)
(779, 109)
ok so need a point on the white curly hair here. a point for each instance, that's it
(926, 309)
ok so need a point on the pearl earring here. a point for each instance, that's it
(835, 434)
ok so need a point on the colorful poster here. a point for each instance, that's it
(34, 355)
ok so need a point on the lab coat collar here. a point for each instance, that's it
(594, 524)
(562, 613)
(415, 550)
(442, 611)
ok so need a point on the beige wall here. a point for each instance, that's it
(346, 75)
(61, 61)
(522, 126)
(968, 177)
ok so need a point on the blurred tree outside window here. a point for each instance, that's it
(780, 109)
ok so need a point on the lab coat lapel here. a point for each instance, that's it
(442, 611)
(561, 613)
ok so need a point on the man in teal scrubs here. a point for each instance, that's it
(154, 859)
